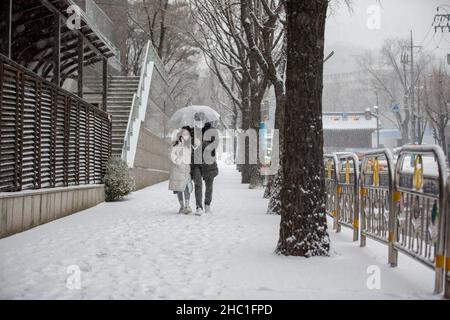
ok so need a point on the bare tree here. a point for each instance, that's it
(228, 56)
(166, 24)
(390, 75)
(436, 102)
(210, 92)
(265, 23)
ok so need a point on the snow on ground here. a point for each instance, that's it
(142, 249)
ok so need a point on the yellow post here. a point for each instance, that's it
(418, 172)
(329, 168)
(347, 172)
(376, 173)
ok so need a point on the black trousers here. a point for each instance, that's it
(198, 184)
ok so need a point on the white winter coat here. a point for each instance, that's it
(180, 171)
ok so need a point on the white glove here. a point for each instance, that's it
(197, 143)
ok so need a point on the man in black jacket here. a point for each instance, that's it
(203, 164)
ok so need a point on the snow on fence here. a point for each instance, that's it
(331, 180)
(420, 202)
(376, 203)
(403, 208)
(347, 213)
(48, 136)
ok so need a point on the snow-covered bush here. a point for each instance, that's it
(118, 182)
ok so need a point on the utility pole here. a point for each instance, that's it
(413, 106)
(409, 59)
(377, 112)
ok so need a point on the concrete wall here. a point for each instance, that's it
(20, 211)
(152, 163)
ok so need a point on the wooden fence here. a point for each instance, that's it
(49, 137)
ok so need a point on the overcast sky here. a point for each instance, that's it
(347, 32)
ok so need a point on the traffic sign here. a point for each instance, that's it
(395, 108)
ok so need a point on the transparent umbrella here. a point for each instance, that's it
(193, 116)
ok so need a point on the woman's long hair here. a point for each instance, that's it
(180, 136)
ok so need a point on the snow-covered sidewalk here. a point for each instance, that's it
(141, 249)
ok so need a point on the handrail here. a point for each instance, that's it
(138, 109)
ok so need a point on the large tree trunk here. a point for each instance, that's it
(303, 228)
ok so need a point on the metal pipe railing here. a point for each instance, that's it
(376, 202)
(331, 186)
(403, 205)
(420, 204)
(347, 213)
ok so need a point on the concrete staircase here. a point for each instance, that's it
(120, 97)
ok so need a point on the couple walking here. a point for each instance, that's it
(193, 158)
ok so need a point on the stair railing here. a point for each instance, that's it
(138, 108)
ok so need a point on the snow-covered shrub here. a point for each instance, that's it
(118, 182)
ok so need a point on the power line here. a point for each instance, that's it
(428, 32)
(440, 40)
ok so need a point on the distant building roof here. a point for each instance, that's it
(348, 121)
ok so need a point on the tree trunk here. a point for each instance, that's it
(443, 140)
(246, 120)
(303, 227)
(275, 187)
(255, 174)
(275, 197)
(268, 189)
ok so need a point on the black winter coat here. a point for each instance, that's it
(207, 170)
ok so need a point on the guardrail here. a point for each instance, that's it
(331, 184)
(377, 206)
(347, 213)
(420, 199)
(100, 21)
(402, 204)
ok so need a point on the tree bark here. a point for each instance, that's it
(303, 227)
(276, 182)
(443, 140)
(245, 167)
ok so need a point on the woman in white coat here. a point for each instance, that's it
(180, 181)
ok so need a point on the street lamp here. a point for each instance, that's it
(378, 125)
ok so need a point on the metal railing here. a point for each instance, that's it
(402, 204)
(347, 213)
(138, 108)
(48, 136)
(420, 202)
(331, 184)
(100, 21)
(376, 203)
